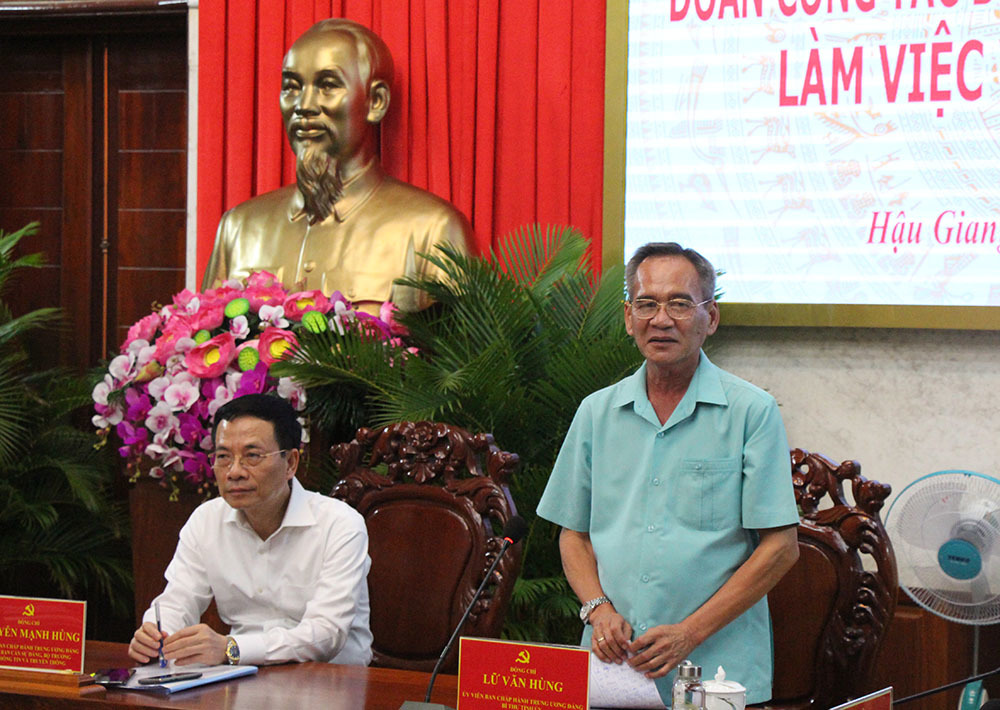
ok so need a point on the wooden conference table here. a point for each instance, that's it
(285, 687)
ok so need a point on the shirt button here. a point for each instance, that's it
(642, 627)
(697, 467)
(260, 590)
(645, 578)
(660, 435)
(651, 528)
(309, 266)
(656, 481)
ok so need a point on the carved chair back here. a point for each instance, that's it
(830, 613)
(435, 501)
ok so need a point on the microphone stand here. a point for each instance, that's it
(925, 693)
(427, 704)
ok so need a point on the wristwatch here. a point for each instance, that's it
(232, 651)
(590, 606)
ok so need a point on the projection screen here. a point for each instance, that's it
(838, 159)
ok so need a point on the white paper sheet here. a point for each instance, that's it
(619, 686)
(209, 674)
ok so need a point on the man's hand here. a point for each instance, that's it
(661, 649)
(610, 640)
(195, 644)
(145, 644)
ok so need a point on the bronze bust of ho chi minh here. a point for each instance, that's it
(345, 225)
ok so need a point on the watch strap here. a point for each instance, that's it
(589, 606)
(232, 651)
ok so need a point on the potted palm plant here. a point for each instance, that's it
(61, 533)
(515, 341)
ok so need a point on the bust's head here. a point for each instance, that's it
(335, 89)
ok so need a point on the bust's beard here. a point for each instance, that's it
(319, 182)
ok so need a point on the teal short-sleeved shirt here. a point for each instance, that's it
(672, 509)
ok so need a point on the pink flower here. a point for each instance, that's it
(101, 390)
(107, 416)
(208, 318)
(372, 327)
(187, 301)
(263, 279)
(342, 313)
(222, 395)
(274, 343)
(298, 303)
(337, 297)
(264, 296)
(168, 456)
(273, 315)
(211, 358)
(180, 395)
(225, 293)
(239, 327)
(387, 313)
(157, 387)
(161, 421)
(295, 394)
(144, 329)
(166, 345)
(121, 367)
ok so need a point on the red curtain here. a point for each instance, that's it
(497, 106)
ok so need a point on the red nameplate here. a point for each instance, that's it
(42, 634)
(507, 675)
(879, 700)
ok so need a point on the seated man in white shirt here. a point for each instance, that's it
(287, 567)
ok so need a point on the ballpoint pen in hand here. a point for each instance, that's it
(163, 661)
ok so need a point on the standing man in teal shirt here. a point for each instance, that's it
(673, 490)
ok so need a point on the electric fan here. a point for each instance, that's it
(945, 530)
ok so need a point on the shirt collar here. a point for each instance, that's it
(297, 514)
(705, 386)
(355, 193)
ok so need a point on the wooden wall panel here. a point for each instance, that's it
(148, 177)
(78, 278)
(27, 121)
(138, 111)
(31, 178)
(151, 238)
(32, 103)
(30, 66)
(143, 287)
(151, 179)
(93, 140)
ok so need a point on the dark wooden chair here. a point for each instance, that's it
(435, 500)
(831, 611)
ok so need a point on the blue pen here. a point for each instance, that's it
(163, 661)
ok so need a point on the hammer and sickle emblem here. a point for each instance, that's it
(28, 610)
(523, 656)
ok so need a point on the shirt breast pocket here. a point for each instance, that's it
(707, 493)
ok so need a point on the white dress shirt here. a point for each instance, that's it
(300, 595)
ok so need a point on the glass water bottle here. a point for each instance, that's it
(689, 693)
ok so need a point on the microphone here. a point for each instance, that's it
(515, 529)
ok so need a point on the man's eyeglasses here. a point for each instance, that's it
(223, 461)
(676, 308)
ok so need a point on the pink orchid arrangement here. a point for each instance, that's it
(181, 363)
